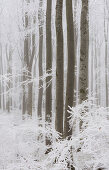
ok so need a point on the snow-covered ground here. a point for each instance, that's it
(18, 143)
(22, 142)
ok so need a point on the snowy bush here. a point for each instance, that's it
(93, 137)
(88, 148)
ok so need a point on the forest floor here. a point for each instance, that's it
(18, 146)
(22, 143)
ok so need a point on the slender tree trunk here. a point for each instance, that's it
(59, 67)
(95, 71)
(71, 67)
(9, 72)
(40, 17)
(28, 62)
(0, 75)
(26, 57)
(30, 89)
(48, 61)
(0, 93)
(84, 52)
(106, 52)
(2, 85)
(30, 85)
(76, 51)
(24, 96)
(106, 76)
(48, 67)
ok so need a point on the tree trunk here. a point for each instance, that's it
(84, 52)
(40, 95)
(26, 56)
(28, 62)
(71, 67)
(9, 72)
(48, 67)
(48, 61)
(59, 67)
(106, 52)
(0, 75)
(24, 96)
(30, 84)
(30, 90)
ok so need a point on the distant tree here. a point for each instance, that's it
(25, 62)
(40, 95)
(76, 37)
(71, 66)
(30, 85)
(84, 52)
(9, 52)
(59, 67)
(29, 54)
(2, 96)
(0, 75)
(106, 52)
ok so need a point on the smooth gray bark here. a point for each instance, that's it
(59, 67)
(0, 75)
(70, 68)
(48, 61)
(40, 95)
(28, 62)
(9, 72)
(84, 52)
(25, 63)
(30, 85)
(48, 115)
(106, 52)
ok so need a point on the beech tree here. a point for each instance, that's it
(0, 74)
(9, 72)
(71, 66)
(40, 18)
(29, 55)
(48, 61)
(106, 51)
(59, 67)
(84, 52)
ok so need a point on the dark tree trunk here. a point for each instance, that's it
(71, 67)
(59, 67)
(48, 61)
(84, 52)
(48, 115)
